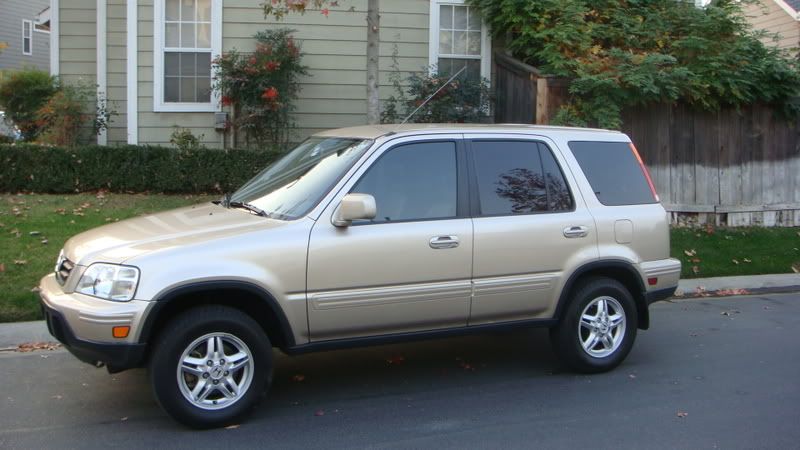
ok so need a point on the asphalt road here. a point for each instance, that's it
(731, 364)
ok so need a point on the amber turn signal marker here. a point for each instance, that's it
(120, 332)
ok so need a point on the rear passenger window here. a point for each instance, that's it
(614, 173)
(518, 177)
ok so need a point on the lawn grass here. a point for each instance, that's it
(33, 228)
(717, 252)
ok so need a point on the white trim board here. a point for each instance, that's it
(54, 38)
(789, 10)
(132, 97)
(158, 61)
(102, 61)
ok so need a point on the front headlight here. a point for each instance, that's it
(109, 281)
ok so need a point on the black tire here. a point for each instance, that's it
(179, 334)
(565, 338)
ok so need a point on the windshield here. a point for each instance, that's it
(294, 184)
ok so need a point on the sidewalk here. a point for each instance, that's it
(13, 334)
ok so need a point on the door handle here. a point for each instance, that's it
(576, 232)
(440, 242)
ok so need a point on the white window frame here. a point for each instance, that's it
(29, 37)
(159, 105)
(433, 47)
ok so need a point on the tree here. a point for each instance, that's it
(619, 53)
(279, 8)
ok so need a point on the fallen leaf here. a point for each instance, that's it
(45, 241)
(694, 260)
(232, 427)
(20, 262)
(691, 252)
(747, 260)
(2, 267)
(735, 262)
(124, 419)
(695, 269)
(795, 268)
(298, 378)
(35, 233)
(682, 414)
(33, 346)
(57, 397)
(319, 412)
(632, 376)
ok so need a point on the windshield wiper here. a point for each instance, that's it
(254, 209)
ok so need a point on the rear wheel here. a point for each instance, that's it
(211, 366)
(598, 328)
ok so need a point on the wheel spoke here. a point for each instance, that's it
(587, 321)
(608, 343)
(210, 348)
(220, 347)
(238, 360)
(602, 307)
(615, 320)
(201, 390)
(191, 366)
(231, 383)
(591, 341)
(222, 387)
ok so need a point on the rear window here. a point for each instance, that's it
(613, 171)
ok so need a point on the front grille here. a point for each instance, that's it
(63, 269)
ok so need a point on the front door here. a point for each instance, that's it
(409, 268)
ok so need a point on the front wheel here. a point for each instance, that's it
(598, 328)
(211, 366)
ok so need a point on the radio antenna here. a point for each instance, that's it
(432, 95)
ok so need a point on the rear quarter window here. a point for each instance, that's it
(613, 172)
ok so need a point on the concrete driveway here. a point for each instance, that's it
(711, 373)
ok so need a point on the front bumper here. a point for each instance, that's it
(84, 325)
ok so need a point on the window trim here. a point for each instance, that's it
(433, 46)
(475, 203)
(29, 37)
(462, 181)
(159, 105)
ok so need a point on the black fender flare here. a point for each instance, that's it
(166, 298)
(639, 295)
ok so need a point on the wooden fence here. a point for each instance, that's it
(732, 167)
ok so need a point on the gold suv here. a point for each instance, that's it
(371, 235)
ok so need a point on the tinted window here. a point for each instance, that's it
(413, 182)
(614, 173)
(516, 177)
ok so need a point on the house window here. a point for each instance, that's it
(458, 38)
(27, 37)
(187, 38)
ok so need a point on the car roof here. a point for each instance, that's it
(376, 131)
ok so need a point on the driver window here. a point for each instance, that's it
(412, 182)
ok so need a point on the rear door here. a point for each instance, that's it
(531, 227)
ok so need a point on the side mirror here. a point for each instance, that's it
(354, 207)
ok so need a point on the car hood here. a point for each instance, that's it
(121, 241)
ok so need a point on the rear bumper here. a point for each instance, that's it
(661, 294)
(116, 356)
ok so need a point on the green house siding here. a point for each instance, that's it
(333, 94)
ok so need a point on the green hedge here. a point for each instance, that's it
(34, 168)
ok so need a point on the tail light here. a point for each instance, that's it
(646, 172)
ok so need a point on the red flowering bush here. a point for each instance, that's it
(260, 87)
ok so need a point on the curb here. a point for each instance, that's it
(702, 293)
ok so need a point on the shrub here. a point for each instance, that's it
(65, 116)
(22, 94)
(463, 100)
(630, 52)
(261, 87)
(185, 140)
(58, 170)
